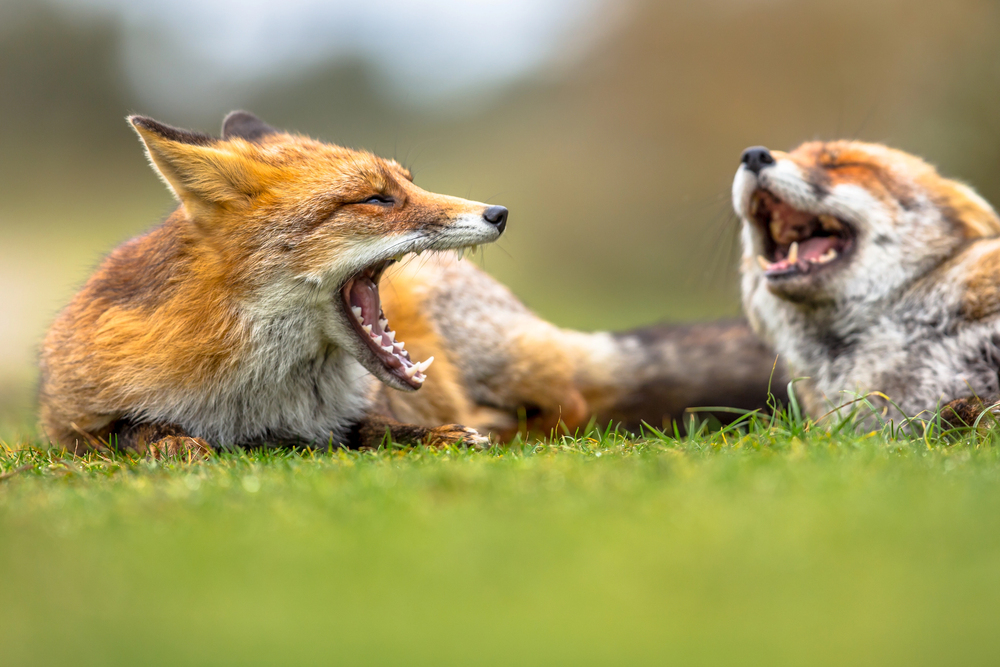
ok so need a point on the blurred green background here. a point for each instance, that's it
(610, 129)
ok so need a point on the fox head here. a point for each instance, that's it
(287, 222)
(845, 221)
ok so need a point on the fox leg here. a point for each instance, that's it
(160, 441)
(374, 429)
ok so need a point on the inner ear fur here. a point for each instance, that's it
(197, 168)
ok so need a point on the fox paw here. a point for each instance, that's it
(965, 411)
(453, 434)
(179, 446)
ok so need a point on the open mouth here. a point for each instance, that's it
(798, 243)
(364, 310)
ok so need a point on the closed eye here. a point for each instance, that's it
(379, 200)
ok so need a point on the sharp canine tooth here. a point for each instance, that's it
(764, 264)
(828, 256)
(391, 335)
(461, 253)
(367, 328)
(400, 344)
(357, 312)
(382, 322)
(387, 348)
(411, 371)
(793, 252)
(425, 364)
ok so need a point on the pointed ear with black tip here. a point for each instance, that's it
(244, 125)
(198, 169)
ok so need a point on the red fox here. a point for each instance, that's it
(869, 272)
(258, 313)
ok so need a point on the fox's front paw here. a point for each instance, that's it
(965, 411)
(453, 434)
(179, 446)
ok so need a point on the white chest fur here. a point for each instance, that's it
(914, 348)
(290, 382)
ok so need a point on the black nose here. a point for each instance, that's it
(756, 158)
(496, 215)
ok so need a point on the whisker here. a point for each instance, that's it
(496, 244)
(864, 122)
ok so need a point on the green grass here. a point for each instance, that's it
(772, 543)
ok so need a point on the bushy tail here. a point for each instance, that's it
(654, 374)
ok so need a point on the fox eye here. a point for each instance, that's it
(380, 200)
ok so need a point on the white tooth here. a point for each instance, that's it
(387, 348)
(391, 335)
(793, 252)
(367, 328)
(461, 254)
(828, 256)
(400, 344)
(425, 364)
(419, 379)
(411, 371)
(764, 264)
(357, 312)
(382, 322)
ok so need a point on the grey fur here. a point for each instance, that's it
(889, 318)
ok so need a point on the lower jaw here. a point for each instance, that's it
(390, 362)
(801, 276)
(805, 268)
(801, 289)
(389, 372)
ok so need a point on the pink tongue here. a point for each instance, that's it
(364, 295)
(816, 247)
(812, 248)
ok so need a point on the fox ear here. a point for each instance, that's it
(197, 168)
(245, 125)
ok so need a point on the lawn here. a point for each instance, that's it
(773, 543)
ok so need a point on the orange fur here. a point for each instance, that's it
(981, 289)
(891, 174)
(173, 310)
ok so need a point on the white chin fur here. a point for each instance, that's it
(744, 184)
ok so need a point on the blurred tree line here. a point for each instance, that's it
(616, 168)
